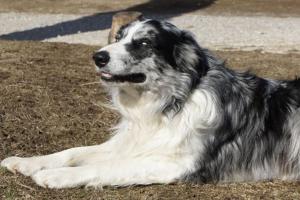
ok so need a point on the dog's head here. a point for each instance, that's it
(146, 51)
(153, 55)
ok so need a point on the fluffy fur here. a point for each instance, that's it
(185, 117)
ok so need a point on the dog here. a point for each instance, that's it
(185, 117)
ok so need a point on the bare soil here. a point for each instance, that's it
(49, 102)
(283, 8)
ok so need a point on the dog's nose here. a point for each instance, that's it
(101, 58)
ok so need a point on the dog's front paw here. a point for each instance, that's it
(25, 166)
(55, 178)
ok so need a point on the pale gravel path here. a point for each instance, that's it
(217, 32)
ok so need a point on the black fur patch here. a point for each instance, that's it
(168, 43)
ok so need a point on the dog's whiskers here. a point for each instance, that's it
(105, 105)
(90, 83)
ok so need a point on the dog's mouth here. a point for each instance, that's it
(131, 78)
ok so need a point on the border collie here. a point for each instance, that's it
(184, 117)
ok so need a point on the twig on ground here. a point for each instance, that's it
(25, 186)
(90, 83)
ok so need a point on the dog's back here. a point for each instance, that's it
(259, 134)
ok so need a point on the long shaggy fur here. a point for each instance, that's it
(184, 117)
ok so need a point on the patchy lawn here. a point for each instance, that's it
(49, 102)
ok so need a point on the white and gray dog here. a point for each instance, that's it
(184, 117)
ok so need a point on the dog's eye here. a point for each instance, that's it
(144, 42)
(141, 43)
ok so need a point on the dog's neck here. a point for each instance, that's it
(146, 107)
(143, 119)
(136, 104)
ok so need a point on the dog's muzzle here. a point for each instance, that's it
(102, 58)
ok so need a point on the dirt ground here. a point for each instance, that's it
(49, 101)
(283, 8)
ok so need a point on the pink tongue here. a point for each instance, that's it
(106, 75)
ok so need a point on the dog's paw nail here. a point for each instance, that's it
(39, 178)
(10, 164)
(49, 179)
(23, 165)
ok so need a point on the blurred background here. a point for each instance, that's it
(242, 24)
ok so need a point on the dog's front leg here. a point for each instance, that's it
(141, 171)
(69, 157)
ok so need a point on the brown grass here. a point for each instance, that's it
(46, 106)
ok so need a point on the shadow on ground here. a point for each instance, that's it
(101, 21)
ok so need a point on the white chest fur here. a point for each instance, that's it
(145, 131)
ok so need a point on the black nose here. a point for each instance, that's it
(101, 58)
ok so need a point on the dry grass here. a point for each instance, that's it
(47, 105)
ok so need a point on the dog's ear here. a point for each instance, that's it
(122, 20)
(189, 57)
